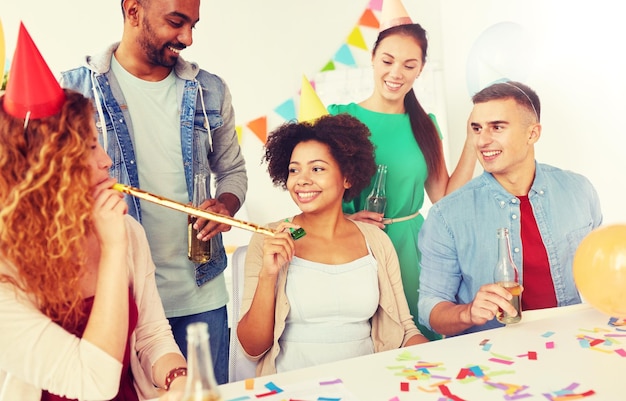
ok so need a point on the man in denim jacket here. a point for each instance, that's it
(162, 120)
(548, 211)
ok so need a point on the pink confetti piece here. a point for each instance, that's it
(329, 382)
(517, 396)
(621, 352)
(394, 399)
(503, 361)
(550, 345)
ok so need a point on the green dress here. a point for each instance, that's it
(396, 147)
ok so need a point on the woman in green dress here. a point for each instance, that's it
(408, 142)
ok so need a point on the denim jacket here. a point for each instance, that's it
(209, 149)
(459, 244)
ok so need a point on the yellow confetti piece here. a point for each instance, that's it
(508, 358)
(249, 384)
(594, 330)
(606, 351)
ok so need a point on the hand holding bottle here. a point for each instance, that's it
(506, 276)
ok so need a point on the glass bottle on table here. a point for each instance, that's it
(377, 199)
(198, 251)
(201, 384)
(507, 276)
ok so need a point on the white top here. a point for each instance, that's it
(331, 307)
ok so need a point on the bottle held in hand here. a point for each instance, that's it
(198, 251)
(377, 199)
(506, 275)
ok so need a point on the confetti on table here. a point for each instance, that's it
(487, 347)
(249, 384)
(531, 355)
(503, 361)
(483, 342)
(595, 330)
(272, 387)
(245, 397)
(500, 356)
(404, 386)
(547, 334)
(511, 391)
(329, 382)
(406, 356)
(394, 399)
(621, 352)
(550, 345)
(568, 393)
(477, 371)
(267, 394)
(445, 391)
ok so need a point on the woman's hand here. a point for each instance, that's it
(366, 216)
(108, 213)
(279, 249)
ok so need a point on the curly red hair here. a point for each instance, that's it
(45, 205)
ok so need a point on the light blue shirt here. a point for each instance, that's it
(459, 245)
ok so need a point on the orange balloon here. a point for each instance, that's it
(600, 269)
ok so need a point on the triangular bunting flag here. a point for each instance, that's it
(330, 66)
(259, 127)
(356, 39)
(344, 56)
(368, 19)
(287, 110)
(375, 5)
(238, 130)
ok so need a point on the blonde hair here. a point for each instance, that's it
(45, 205)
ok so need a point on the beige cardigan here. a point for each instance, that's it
(392, 324)
(32, 346)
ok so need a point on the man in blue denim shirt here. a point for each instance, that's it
(162, 120)
(548, 211)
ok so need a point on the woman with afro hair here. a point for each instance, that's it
(335, 293)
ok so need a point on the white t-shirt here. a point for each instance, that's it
(155, 115)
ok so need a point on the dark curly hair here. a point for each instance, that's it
(347, 139)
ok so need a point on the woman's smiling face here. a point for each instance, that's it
(315, 180)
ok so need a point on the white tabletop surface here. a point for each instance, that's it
(570, 366)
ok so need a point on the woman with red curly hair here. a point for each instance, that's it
(81, 316)
(335, 293)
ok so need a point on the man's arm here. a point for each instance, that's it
(448, 318)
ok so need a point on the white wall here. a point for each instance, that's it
(262, 48)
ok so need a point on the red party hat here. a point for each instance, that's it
(393, 14)
(32, 91)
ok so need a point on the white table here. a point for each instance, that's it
(600, 368)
